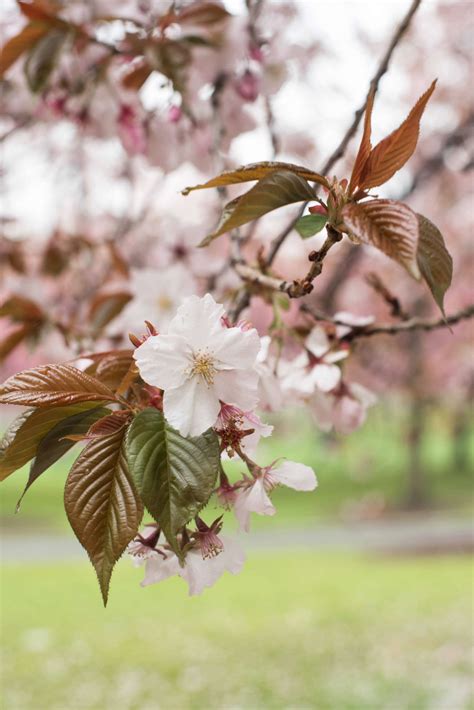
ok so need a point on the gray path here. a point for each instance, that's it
(408, 535)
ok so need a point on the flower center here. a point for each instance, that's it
(203, 366)
(164, 303)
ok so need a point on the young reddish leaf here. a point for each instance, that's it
(42, 10)
(390, 226)
(20, 43)
(175, 476)
(21, 309)
(14, 337)
(108, 423)
(365, 145)
(53, 385)
(202, 13)
(256, 171)
(112, 370)
(434, 260)
(105, 307)
(275, 190)
(21, 441)
(42, 58)
(56, 442)
(102, 504)
(392, 152)
(135, 78)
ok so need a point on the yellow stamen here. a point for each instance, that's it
(203, 366)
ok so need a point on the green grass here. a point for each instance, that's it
(370, 465)
(293, 630)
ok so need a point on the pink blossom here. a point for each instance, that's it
(199, 572)
(253, 496)
(325, 374)
(248, 86)
(344, 409)
(239, 429)
(200, 363)
(131, 130)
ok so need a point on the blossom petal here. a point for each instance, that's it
(191, 408)
(157, 568)
(236, 348)
(163, 360)
(200, 573)
(317, 342)
(364, 395)
(252, 500)
(294, 475)
(198, 320)
(321, 407)
(326, 377)
(239, 387)
(348, 415)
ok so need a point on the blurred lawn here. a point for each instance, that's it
(363, 471)
(293, 630)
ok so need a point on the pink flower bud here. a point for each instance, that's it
(318, 209)
(248, 86)
(174, 114)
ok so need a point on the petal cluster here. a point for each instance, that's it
(199, 363)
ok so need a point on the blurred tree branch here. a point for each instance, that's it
(391, 328)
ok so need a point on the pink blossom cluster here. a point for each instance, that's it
(207, 373)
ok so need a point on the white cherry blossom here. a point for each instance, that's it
(156, 294)
(254, 498)
(325, 373)
(270, 392)
(344, 409)
(200, 363)
(197, 571)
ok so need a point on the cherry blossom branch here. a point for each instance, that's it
(349, 134)
(298, 287)
(391, 328)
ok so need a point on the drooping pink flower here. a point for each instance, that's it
(199, 572)
(253, 496)
(239, 429)
(344, 409)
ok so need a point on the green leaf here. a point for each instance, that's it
(277, 189)
(102, 504)
(310, 224)
(53, 385)
(54, 445)
(434, 260)
(23, 437)
(42, 59)
(175, 476)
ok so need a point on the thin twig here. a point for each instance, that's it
(298, 287)
(341, 148)
(391, 328)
